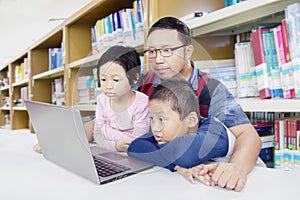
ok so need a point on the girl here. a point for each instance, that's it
(121, 113)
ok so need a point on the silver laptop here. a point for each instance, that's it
(60, 133)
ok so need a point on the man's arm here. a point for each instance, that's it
(247, 146)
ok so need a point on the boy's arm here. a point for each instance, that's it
(208, 142)
(145, 148)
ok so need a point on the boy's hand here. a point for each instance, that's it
(122, 145)
(194, 173)
(226, 175)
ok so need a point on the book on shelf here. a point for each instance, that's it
(286, 41)
(287, 149)
(138, 12)
(24, 95)
(293, 31)
(58, 91)
(261, 68)
(285, 65)
(55, 58)
(296, 76)
(245, 73)
(124, 27)
(266, 153)
(232, 2)
(292, 20)
(5, 101)
(222, 70)
(21, 71)
(87, 87)
(272, 64)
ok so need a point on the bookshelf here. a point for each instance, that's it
(19, 81)
(77, 33)
(4, 99)
(73, 37)
(214, 33)
(213, 37)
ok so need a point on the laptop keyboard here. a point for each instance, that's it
(108, 168)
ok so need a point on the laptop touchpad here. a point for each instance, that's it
(113, 156)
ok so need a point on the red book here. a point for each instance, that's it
(260, 63)
(276, 134)
(257, 44)
(279, 134)
(286, 41)
(286, 143)
(279, 45)
(294, 126)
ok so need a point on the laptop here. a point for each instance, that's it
(61, 135)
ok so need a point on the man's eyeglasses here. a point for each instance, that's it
(164, 52)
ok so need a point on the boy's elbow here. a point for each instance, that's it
(133, 147)
(136, 146)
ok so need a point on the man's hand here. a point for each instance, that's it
(122, 145)
(226, 175)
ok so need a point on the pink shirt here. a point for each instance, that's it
(126, 125)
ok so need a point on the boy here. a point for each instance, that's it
(180, 138)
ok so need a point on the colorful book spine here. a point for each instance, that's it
(272, 64)
(258, 47)
(292, 20)
(245, 68)
(286, 41)
(282, 57)
(296, 77)
(260, 60)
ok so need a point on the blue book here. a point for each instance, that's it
(52, 58)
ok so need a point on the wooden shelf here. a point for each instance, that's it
(239, 17)
(269, 105)
(4, 88)
(50, 74)
(19, 108)
(74, 36)
(4, 67)
(91, 61)
(5, 108)
(21, 83)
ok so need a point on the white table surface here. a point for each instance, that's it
(25, 174)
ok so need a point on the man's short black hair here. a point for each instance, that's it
(173, 23)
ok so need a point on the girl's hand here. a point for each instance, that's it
(37, 148)
(122, 145)
(107, 122)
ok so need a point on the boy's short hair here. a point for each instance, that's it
(173, 23)
(180, 95)
(125, 56)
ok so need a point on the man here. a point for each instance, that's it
(169, 50)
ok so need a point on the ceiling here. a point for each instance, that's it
(22, 22)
